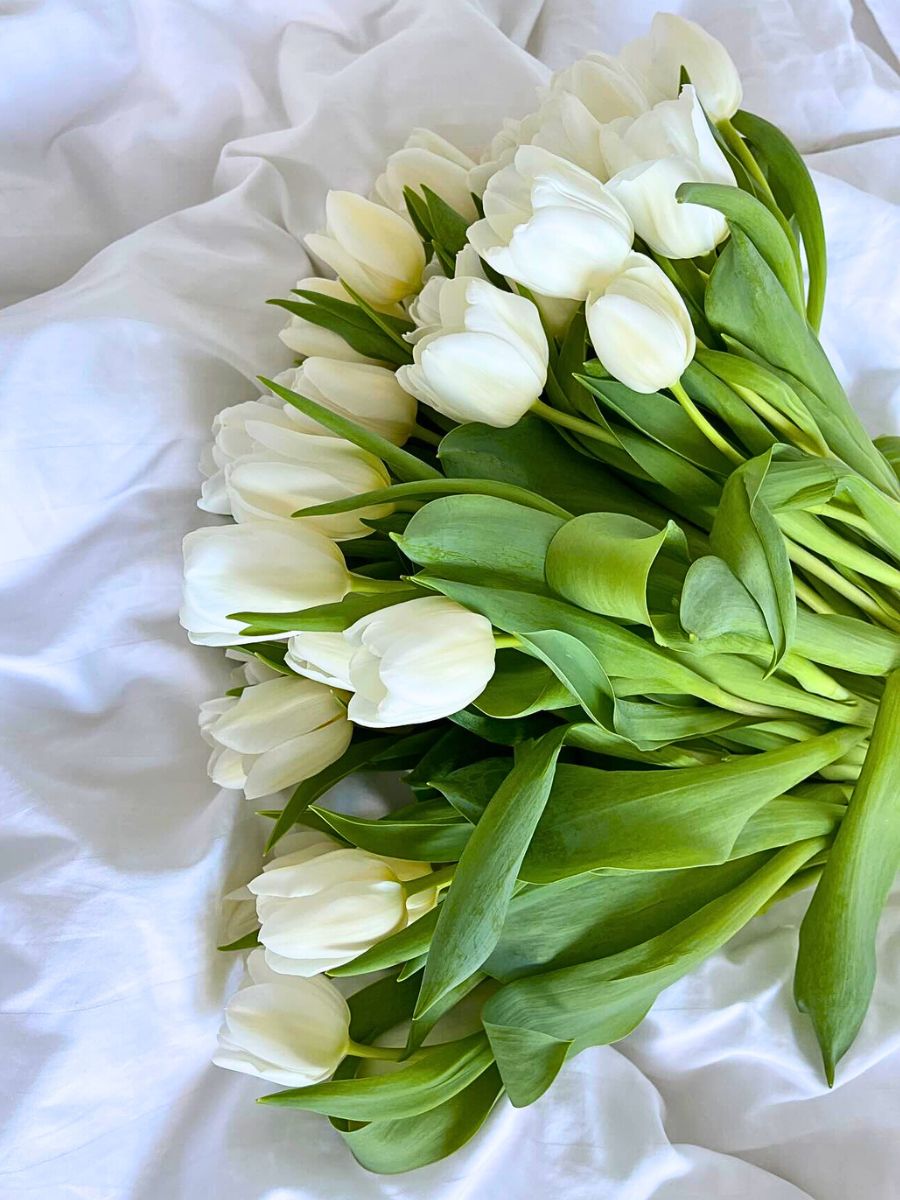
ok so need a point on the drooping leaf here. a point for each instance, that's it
(427, 489)
(435, 833)
(836, 961)
(325, 618)
(349, 322)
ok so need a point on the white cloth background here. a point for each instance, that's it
(160, 160)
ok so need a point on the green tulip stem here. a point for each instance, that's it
(425, 435)
(388, 1053)
(506, 641)
(811, 597)
(441, 878)
(844, 587)
(708, 430)
(363, 585)
(576, 424)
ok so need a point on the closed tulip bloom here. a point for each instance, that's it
(274, 735)
(430, 160)
(323, 904)
(305, 337)
(366, 394)
(418, 661)
(288, 470)
(605, 86)
(650, 157)
(640, 327)
(371, 248)
(551, 226)
(231, 441)
(261, 566)
(676, 42)
(567, 128)
(288, 1030)
(480, 353)
(322, 656)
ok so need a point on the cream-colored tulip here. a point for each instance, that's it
(323, 904)
(366, 394)
(676, 42)
(274, 735)
(291, 1031)
(418, 661)
(640, 327)
(371, 248)
(322, 656)
(261, 566)
(650, 157)
(427, 160)
(230, 441)
(480, 353)
(551, 226)
(606, 87)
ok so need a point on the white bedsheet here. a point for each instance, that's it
(160, 160)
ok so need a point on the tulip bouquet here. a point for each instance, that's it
(564, 515)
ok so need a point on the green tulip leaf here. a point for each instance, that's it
(522, 685)
(429, 832)
(351, 323)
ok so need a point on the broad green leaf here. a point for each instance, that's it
(521, 685)
(599, 1002)
(715, 602)
(325, 618)
(503, 732)
(469, 789)
(532, 455)
(603, 562)
(745, 301)
(836, 960)
(577, 668)
(436, 834)
(391, 1147)
(745, 211)
(478, 537)
(790, 171)
(427, 489)
(420, 1083)
(403, 464)
(662, 819)
(448, 227)
(785, 820)
(473, 912)
(746, 536)
(378, 1007)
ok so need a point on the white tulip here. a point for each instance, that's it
(287, 1030)
(480, 353)
(676, 42)
(650, 157)
(551, 226)
(323, 903)
(288, 470)
(640, 327)
(371, 248)
(251, 669)
(231, 441)
(418, 661)
(261, 566)
(274, 735)
(501, 151)
(369, 395)
(606, 87)
(304, 337)
(322, 656)
(566, 127)
(427, 160)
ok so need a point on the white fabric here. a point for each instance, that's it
(160, 161)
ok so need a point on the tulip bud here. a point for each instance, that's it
(368, 395)
(650, 157)
(321, 656)
(567, 128)
(274, 735)
(287, 1030)
(288, 470)
(605, 86)
(231, 442)
(480, 353)
(371, 248)
(430, 160)
(551, 226)
(640, 327)
(675, 43)
(323, 904)
(261, 566)
(418, 661)
(303, 337)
